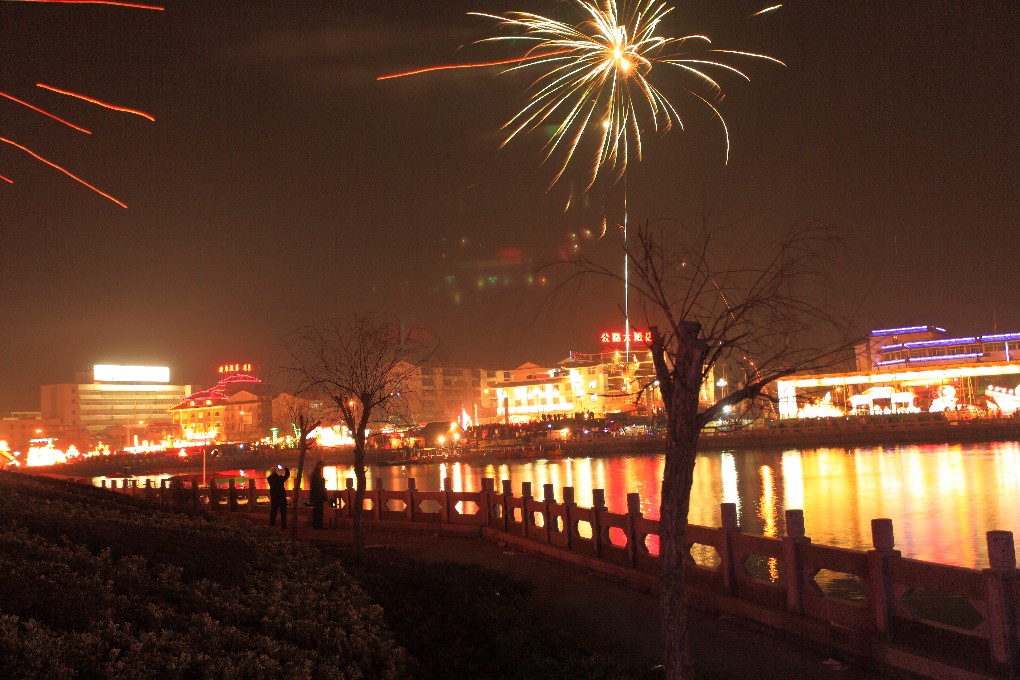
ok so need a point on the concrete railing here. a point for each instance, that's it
(873, 607)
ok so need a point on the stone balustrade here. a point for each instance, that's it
(873, 607)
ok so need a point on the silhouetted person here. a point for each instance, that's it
(317, 495)
(278, 495)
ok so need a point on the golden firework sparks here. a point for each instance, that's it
(600, 87)
(596, 87)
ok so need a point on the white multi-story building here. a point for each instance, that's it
(107, 396)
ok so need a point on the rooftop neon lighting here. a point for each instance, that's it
(972, 355)
(953, 341)
(947, 342)
(907, 329)
(915, 360)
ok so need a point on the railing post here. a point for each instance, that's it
(410, 498)
(150, 490)
(163, 486)
(792, 566)
(728, 513)
(232, 496)
(1001, 616)
(568, 520)
(525, 515)
(194, 495)
(633, 512)
(879, 586)
(447, 511)
(598, 505)
(253, 496)
(508, 493)
(550, 498)
(377, 501)
(485, 500)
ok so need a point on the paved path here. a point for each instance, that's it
(603, 614)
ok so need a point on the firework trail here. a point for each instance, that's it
(67, 172)
(45, 113)
(97, 102)
(68, 93)
(130, 5)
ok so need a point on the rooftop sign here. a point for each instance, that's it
(616, 337)
(132, 374)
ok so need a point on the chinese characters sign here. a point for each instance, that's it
(235, 368)
(617, 338)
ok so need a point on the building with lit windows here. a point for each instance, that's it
(914, 369)
(238, 408)
(600, 384)
(109, 397)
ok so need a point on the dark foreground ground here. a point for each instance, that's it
(588, 612)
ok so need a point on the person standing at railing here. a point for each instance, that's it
(278, 495)
(317, 495)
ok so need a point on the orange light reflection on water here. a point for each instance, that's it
(942, 499)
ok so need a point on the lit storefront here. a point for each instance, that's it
(912, 370)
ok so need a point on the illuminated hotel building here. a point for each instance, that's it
(601, 384)
(108, 396)
(238, 408)
(914, 369)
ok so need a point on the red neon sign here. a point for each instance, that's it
(617, 338)
(235, 368)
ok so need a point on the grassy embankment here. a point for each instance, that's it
(95, 584)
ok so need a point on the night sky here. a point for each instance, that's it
(281, 184)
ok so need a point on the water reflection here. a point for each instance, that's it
(941, 498)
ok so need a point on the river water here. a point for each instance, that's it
(941, 498)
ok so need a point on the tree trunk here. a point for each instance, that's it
(681, 386)
(359, 494)
(677, 478)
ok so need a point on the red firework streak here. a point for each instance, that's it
(97, 102)
(39, 158)
(45, 113)
(131, 5)
(446, 67)
(33, 154)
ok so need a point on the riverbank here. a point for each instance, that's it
(897, 429)
(116, 586)
(602, 615)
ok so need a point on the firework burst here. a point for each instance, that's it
(595, 85)
(75, 95)
(596, 82)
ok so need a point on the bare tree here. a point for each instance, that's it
(762, 311)
(301, 415)
(367, 367)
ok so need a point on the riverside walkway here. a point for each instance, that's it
(607, 615)
(873, 607)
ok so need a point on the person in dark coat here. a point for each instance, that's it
(278, 495)
(317, 495)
